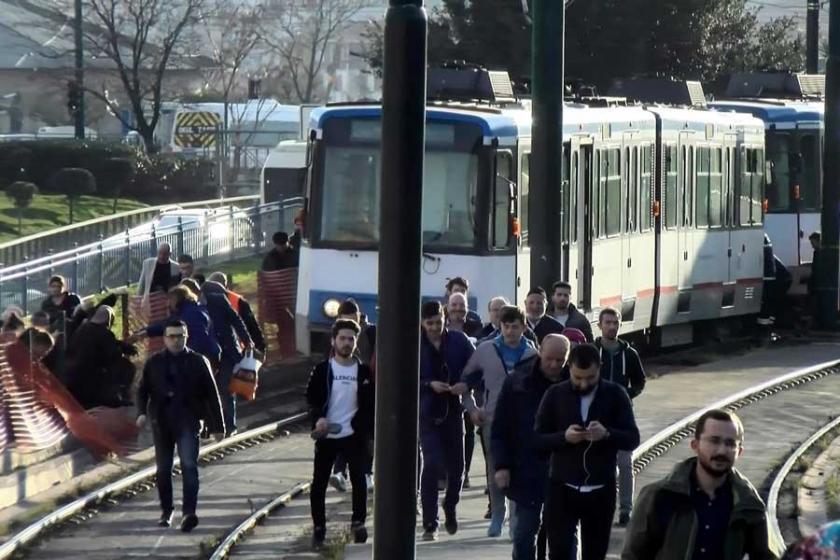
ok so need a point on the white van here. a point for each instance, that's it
(284, 173)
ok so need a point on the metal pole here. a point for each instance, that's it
(400, 252)
(831, 175)
(812, 32)
(548, 35)
(79, 116)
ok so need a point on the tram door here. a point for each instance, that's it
(523, 250)
(584, 228)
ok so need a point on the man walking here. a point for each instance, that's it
(620, 364)
(494, 360)
(458, 316)
(538, 321)
(158, 273)
(177, 392)
(583, 422)
(705, 509)
(521, 470)
(565, 313)
(340, 396)
(443, 355)
(460, 285)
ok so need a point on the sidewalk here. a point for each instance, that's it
(665, 400)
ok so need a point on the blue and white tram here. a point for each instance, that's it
(794, 139)
(663, 213)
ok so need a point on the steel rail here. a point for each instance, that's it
(34, 530)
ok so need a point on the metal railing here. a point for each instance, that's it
(116, 261)
(69, 237)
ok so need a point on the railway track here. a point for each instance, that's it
(786, 405)
(662, 448)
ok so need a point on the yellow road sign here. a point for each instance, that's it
(196, 129)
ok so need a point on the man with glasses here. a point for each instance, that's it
(178, 392)
(443, 355)
(705, 506)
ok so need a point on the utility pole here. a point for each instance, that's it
(827, 285)
(400, 254)
(548, 36)
(812, 31)
(79, 113)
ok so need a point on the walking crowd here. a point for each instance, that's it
(553, 408)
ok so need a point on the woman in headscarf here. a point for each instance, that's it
(823, 545)
(97, 365)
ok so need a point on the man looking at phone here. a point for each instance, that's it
(583, 422)
(340, 396)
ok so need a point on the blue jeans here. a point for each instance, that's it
(228, 400)
(442, 448)
(186, 438)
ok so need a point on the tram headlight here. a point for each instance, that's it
(330, 308)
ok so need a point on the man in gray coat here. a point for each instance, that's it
(493, 361)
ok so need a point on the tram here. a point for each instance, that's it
(662, 208)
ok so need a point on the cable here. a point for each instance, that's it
(588, 474)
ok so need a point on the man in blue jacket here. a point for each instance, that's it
(233, 337)
(443, 355)
(521, 470)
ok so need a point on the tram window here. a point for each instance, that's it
(671, 174)
(701, 188)
(779, 196)
(565, 193)
(350, 195)
(595, 207)
(757, 195)
(501, 201)
(810, 174)
(524, 195)
(612, 194)
(644, 190)
(715, 189)
(630, 220)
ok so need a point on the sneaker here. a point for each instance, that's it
(165, 519)
(369, 480)
(431, 533)
(338, 482)
(451, 523)
(319, 534)
(466, 482)
(189, 522)
(495, 529)
(359, 531)
(623, 519)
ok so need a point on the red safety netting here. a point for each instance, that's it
(155, 308)
(277, 291)
(37, 411)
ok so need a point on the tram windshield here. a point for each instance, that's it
(350, 193)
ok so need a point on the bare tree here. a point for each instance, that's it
(299, 34)
(143, 39)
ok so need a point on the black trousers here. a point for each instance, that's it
(565, 507)
(354, 449)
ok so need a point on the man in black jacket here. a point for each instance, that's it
(178, 392)
(340, 396)
(521, 471)
(583, 422)
(620, 363)
(565, 313)
(538, 321)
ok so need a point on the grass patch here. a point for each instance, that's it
(832, 495)
(51, 211)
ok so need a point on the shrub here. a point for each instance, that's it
(22, 194)
(116, 176)
(74, 182)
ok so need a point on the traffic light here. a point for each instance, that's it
(74, 97)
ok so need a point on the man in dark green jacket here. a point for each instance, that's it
(705, 509)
